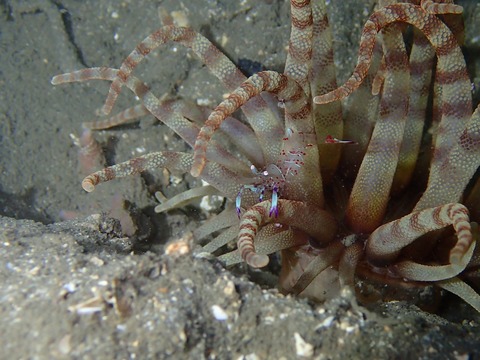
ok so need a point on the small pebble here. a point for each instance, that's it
(302, 348)
(219, 313)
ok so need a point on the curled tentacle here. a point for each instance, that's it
(441, 40)
(291, 213)
(296, 108)
(385, 243)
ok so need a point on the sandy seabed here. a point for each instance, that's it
(82, 289)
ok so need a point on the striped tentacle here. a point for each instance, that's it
(299, 56)
(270, 240)
(122, 118)
(456, 171)
(184, 128)
(421, 62)
(296, 109)
(369, 197)
(441, 7)
(90, 153)
(456, 26)
(165, 111)
(218, 63)
(222, 178)
(168, 159)
(385, 243)
(361, 112)
(328, 118)
(263, 121)
(291, 213)
(451, 73)
(297, 120)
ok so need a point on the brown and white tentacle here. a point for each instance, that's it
(271, 239)
(328, 118)
(421, 62)
(90, 153)
(222, 178)
(441, 7)
(297, 109)
(122, 118)
(370, 194)
(299, 56)
(167, 112)
(290, 213)
(451, 74)
(263, 121)
(384, 244)
(307, 184)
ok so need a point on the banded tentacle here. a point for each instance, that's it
(170, 160)
(441, 7)
(290, 213)
(297, 119)
(122, 118)
(328, 117)
(90, 153)
(218, 63)
(370, 194)
(299, 57)
(451, 74)
(222, 178)
(421, 63)
(263, 121)
(385, 243)
(167, 112)
(457, 169)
